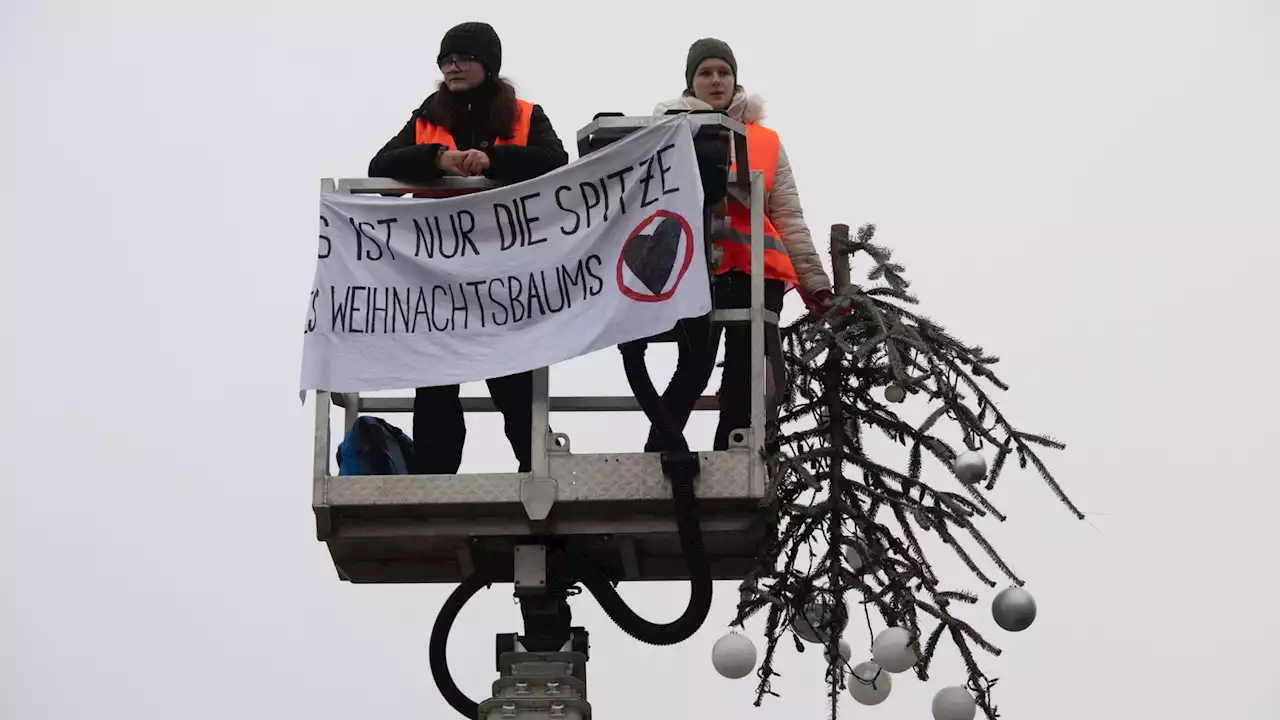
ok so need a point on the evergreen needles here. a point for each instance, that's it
(867, 341)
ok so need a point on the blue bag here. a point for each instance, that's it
(374, 447)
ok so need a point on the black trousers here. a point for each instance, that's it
(698, 343)
(440, 429)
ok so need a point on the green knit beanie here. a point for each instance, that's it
(708, 48)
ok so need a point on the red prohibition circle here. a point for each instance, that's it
(684, 266)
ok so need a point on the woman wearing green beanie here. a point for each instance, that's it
(711, 83)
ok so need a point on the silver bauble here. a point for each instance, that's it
(970, 467)
(846, 652)
(895, 394)
(954, 703)
(892, 650)
(1014, 609)
(869, 685)
(816, 621)
(734, 656)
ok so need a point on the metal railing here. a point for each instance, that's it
(744, 185)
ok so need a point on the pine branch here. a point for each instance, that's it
(835, 361)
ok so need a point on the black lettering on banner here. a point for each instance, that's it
(499, 212)
(366, 309)
(645, 180)
(338, 310)
(426, 240)
(312, 320)
(535, 295)
(374, 309)
(528, 220)
(577, 219)
(457, 247)
(363, 236)
(462, 227)
(435, 304)
(475, 288)
(564, 287)
(588, 205)
(328, 244)
(352, 297)
(388, 222)
(514, 291)
(432, 239)
(663, 170)
(506, 314)
(456, 308)
(422, 307)
(574, 278)
(400, 310)
(598, 285)
(621, 175)
(604, 191)
(546, 293)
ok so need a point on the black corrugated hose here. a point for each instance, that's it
(436, 647)
(681, 476)
(681, 469)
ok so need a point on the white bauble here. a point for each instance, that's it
(970, 467)
(846, 652)
(954, 703)
(1014, 609)
(868, 685)
(734, 656)
(892, 650)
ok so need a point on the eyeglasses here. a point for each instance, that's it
(462, 62)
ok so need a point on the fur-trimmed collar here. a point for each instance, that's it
(743, 108)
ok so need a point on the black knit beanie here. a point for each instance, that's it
(477, 39)
(708, 48)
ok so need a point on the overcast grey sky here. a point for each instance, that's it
(1088, 189)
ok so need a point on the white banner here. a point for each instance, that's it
(422, 292)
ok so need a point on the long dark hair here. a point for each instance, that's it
(492, 102)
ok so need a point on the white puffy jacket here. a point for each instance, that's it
(782, 204)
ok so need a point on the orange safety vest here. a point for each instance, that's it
(428, 133)
(763, 147)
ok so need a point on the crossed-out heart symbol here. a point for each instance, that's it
(652, 258)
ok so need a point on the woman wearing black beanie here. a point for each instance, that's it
(473, 125)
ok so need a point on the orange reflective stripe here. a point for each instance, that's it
(771, 239)
(735, 247)
(763, 149)
(737, 256)
(429, 134)
(739, 232)
(520, 128)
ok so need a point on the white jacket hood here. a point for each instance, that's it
(744, 108)
(783, 203)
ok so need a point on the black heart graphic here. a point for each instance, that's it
(653, 257)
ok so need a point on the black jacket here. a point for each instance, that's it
(401, 159)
